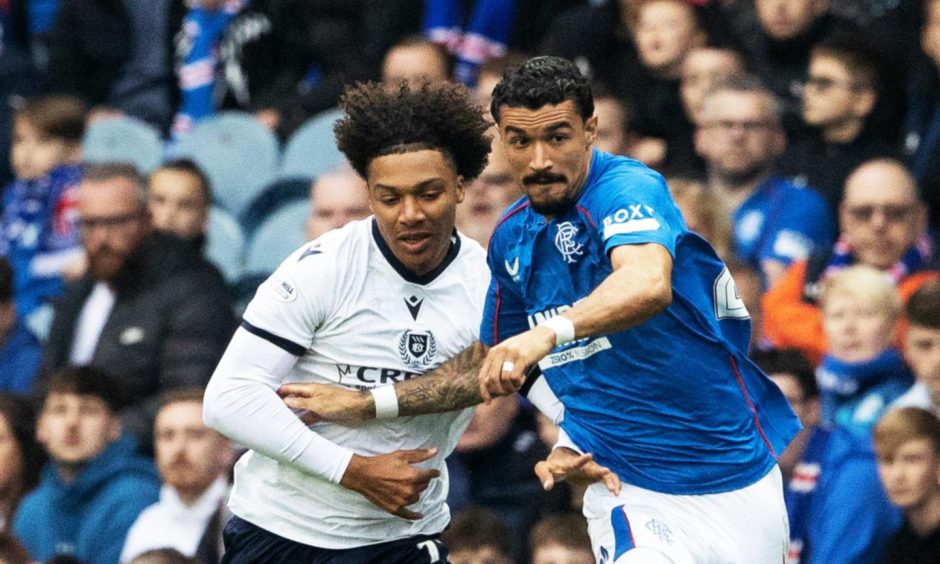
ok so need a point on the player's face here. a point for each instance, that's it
(922, 352)
(737, 135)
(190, 456)
(880, 215)
(856, 331)
(176, 203)
(549, 152)
(414, 197)
(76, 428)
(910, 474)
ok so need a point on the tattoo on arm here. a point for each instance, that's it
(451, 386)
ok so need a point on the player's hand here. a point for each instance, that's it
(390, 481)
(324, 402)
(505, 366)
(566, 464)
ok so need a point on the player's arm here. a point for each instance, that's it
(639, 287)
(451, 386)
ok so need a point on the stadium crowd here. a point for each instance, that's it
(801, 138)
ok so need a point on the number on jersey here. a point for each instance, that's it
(728, 303)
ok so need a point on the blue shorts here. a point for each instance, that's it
(246, 543)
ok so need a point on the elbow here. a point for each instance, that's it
(659, 297)
(211, 413)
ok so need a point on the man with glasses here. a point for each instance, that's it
(840, 95)
(149, 311)
(883, 224)
(740, 136)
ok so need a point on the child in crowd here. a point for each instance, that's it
(922, 348)
(476, 535)
(862, 372)
(907, 441)
(38, 231)
(562, 538)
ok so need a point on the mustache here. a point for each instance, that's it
(543, 178)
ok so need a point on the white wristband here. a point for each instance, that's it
(386, 402)
(563, 328)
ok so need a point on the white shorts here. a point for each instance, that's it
(746, 526)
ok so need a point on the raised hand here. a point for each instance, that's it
(566, 464)
(390, 481)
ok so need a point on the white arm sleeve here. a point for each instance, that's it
(241, 402)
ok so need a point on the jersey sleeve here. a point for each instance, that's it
(803, 225)
(504, 313)
(293, 302)
(634, 207)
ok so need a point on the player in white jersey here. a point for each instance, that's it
(379, 301)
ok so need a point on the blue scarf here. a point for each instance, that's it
(486, 36)
(843, 386)
(913, 260)
(202, 31)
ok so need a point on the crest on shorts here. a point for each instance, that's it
(417, 349)
(566, 244)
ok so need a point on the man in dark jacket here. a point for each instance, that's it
(95, 485)
(150, 311)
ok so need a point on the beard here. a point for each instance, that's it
(551, 206)
(105, 263)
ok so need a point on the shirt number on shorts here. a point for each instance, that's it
(728, 303)
(433, 552)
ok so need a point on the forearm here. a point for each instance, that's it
(451, 386)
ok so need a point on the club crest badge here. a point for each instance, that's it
(565, 243)
(417, 349)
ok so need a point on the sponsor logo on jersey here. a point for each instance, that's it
(555, 360)
(417, 349)
(370, 376)
(284, 289)
(540, 316)
(660, 530)
(314, 250)
(632, 219)
(566, 244)
(413, 303)
(512, 268)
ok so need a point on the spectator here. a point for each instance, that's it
(117, 55)
(907, 441)
(95, 485)
(562, 538)
(487, 197)
(477, 536)
(837, 510)
(150, 311)
(748, 282)
(194, 462)
(178, 200)
(861, 372)
(336, 198)
(702, 212)
(883, 224)
(484, 36)
(922, 348)
(704, 68)
(20, 352)
(11, 551)
(773, 222)
(37, 229)
(21, 457)
(614, 131)
(414, 59)
(842, 91)
(491, 72)
(923, 115)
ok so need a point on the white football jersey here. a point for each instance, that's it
(358, 318)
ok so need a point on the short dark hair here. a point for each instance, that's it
(475, 527)
(381, 121)
(566, 529)
(85, 381)
(103, 172)
(6, 281)
(181, 395)
(859, 55)
(792, 362)
(189, 166)
(923, 307)
(57, 116)
(543, 81)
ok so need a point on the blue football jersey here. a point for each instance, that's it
(673, 404)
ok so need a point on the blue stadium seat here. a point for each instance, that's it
(280, 234)
(123, 139)
(311, 151)
(225, 244)
(275, 195)
(238, 154)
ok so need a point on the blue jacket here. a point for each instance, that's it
(20, 358)
(90, 517)
(838, 511)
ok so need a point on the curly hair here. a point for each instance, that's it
(381, 121)
(542, 81)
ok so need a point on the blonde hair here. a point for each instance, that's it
(903, 425)
(715, 224)
(867, 285)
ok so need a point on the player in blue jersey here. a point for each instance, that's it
(635, 326)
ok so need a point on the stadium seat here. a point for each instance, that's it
(123, 139)
(311, 151)
(238, 154)
(225, 244)
(275, 195)
(280, 234)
